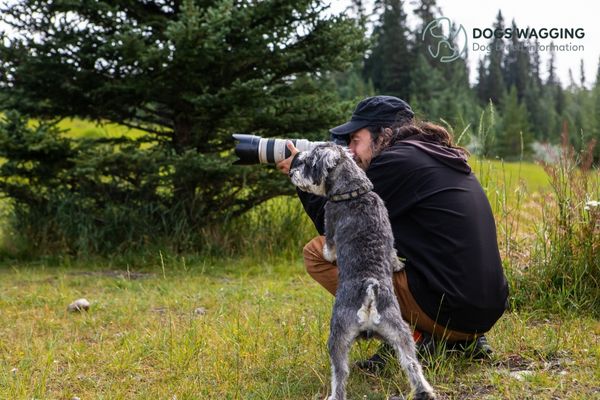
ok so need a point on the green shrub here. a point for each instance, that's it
(565, 269)
(109, 195)
(103, 195)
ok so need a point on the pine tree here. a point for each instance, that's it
(538, 116)
(351, 86)
(427, 85)
(572, 84)
(389, 64)
(579, 113)
(439, 90)
(427, 75)
(189, 74)
(515, 137)
(516, 65)
(495, 87)
(555, 99)
(481, 86)
(426, 11)
(552, 78)
(536, 63)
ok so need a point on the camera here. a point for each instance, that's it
(257, 150)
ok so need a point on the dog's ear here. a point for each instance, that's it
(324, 158)
(330, 158)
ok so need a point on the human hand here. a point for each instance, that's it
(284, 165)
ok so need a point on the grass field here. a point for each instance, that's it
(260, 333)
(244, 321)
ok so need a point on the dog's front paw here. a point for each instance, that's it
(329, 253)
(397, 264)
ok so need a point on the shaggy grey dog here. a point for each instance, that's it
(358, 234)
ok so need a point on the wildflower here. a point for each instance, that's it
(590, 204)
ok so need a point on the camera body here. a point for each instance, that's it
(253, 149)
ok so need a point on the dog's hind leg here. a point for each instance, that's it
(340, 341)
(396, 332)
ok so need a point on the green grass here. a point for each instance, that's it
(263, 336)
(90, 129)
(264, 331)
(510, 174)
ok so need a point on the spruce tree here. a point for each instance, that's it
(555, 100)
(426, 11)
(536, 63)
(481, 86)
(516, 65)
(515, 137)
(389, 64)
(495, 87)
(440, 90)
(538, 116)
(188, 73)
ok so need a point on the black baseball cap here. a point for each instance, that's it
(376, 110)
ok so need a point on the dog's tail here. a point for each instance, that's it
(368, 314)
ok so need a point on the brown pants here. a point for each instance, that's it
(326, 274)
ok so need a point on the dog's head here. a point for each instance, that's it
(310, 169)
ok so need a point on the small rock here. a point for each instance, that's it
(75, 398)
(521, 375)
(14, 370)
(200, 311)
(79, 305)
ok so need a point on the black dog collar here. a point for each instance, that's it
(348, 195)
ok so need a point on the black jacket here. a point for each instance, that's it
(444, 227)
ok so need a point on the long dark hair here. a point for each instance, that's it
(384, 137)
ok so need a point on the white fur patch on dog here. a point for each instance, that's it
(329, 254)
(334, 384)
(305, 183)
(368, 316)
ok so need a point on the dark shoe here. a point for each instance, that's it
(377, 362)
(478, 349)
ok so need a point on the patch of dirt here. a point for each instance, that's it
(515, 362)
(50, 280)
(473, 392)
